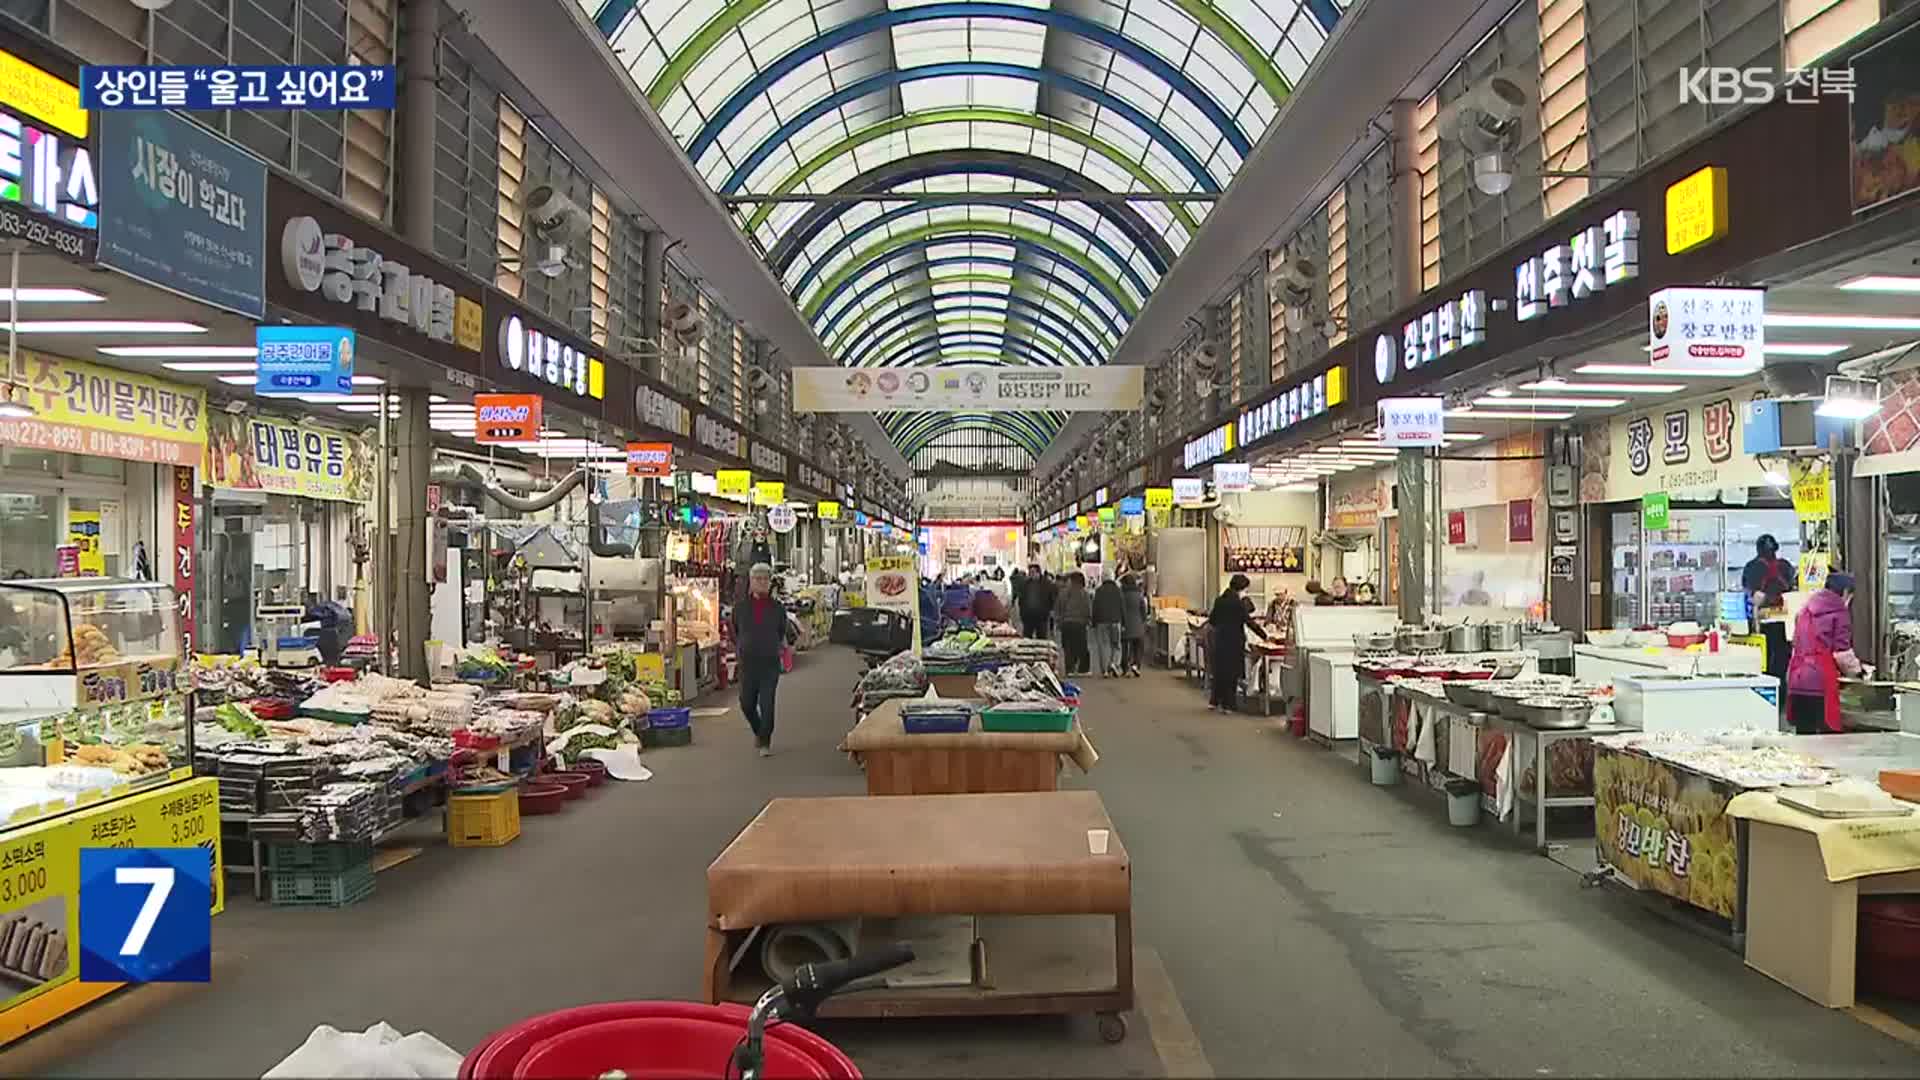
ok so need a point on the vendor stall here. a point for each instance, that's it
(901, 761)
(1018, 904)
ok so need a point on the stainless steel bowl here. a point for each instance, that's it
(1466, 638)
(1554, 713)
(1418, 639)
(1502, 636)
(1469, 692)
(1373, 642)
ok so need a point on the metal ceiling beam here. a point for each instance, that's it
(561, 60)
(1381, 50)
(984, 198)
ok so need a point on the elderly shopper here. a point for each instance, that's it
(760, 632)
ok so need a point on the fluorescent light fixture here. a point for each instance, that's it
(354, 406)
(202, 352)
(1488, 414)
(1776, 478)
(1562, 386)
(1499, 391)
(436, 399)
(106, 326)
(1891, 283)
(1668, 371)
(31, 295)
(368, 380)
(210, 367)
(238, 380)
(1300, 489)
(1847, 408)
(1551, 402)
(1803, 348)
(1842, 322)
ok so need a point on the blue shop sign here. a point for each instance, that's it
(184, 209)
(303, 360)
(1133, 506)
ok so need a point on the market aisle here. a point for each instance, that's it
(605, 901)
(1315, 925)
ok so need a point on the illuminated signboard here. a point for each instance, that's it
(1432, 336)
(1305, 400)
(1697, 210)
(1594, 258)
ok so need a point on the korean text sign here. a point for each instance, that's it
(111, 87)
(1699, 327)
(46, 162)
(83, 409)
(506, 418)
(1665, 828)
(184, 209)
(262, 453)
(303, 360)
(649, 459)
(1412, 421)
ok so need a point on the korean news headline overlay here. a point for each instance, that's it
(238, 86)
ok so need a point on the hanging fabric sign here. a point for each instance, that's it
(260, 453)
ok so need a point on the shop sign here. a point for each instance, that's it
(1080, 523)
(1708, 327)
(1189, 489)
(1520, 521)
(183, 209)
(1413, 421)
(83, 409)
(1133, 506)
(1697, 210)
(1233, 476)
(1595, 258)
(1355, 502)
(1689, 448)
(287, 457)
(827, 511)
(766, 457)
(769, 493)
(42, 864)
(1159, 498)
(717, 436)
(1656, 511)
(303, 360)
(1665, 828)
(970, 388)
(781, 518)
(45, 165)
(350, 275)
(733, 484)
(654, 459)
(1432, 336)
(813, 479)
(1304, 400)
(1812, 488)
(1107, 515)
(183, 553)
(506, 418)
(1456, 526)
(527, 350)
(1213, 444)
(657, 410)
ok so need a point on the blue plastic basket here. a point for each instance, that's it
(669, 718)
(941, 723)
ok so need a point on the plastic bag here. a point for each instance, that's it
(379, 1051)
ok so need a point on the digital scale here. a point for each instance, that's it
(277, 628)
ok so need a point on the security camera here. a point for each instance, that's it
(1485, 121)
(555, 217)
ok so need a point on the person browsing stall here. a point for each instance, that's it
(760, 632)
(1231, 622)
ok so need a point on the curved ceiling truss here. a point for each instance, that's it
(840, 101)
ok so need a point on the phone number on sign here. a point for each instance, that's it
(39, 232)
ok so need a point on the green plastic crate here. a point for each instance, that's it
(1015, 720)
(330, 858)
(297, 888)
(680, 736)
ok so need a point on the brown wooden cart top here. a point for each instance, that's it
(881, 730)
(1025, 853)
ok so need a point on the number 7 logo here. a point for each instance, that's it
(146, 914)
(159, 883)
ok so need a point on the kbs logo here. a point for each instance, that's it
(1760, 86)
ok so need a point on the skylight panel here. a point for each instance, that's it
(1215, 67)
(635, 46)
(674, 27)
(1292, 65)
(723, 70)
(1261, 20)
(1166, 32)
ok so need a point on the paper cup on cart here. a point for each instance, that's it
(1097, 841)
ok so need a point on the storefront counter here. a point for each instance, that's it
(1600, 663)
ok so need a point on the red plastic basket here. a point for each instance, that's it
(655, 1040)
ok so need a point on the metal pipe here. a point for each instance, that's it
(450, 472)
(982, 198)
(421, 113)
(653, 273)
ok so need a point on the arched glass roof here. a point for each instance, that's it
(968, 97)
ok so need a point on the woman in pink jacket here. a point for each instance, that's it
(1822, 649)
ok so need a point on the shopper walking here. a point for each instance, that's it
(1227, 659)
(1822, 649)
(1036, 603)
(1767, 578)
(1134, 616)
(760, 631)
(1073, 611)
(1107, 616)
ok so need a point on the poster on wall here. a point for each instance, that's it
(1885, 124)
(80, 408)
(983, 388)
(247, 452)
(83, 534)
(1665, 829)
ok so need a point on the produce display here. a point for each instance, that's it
(482, 665)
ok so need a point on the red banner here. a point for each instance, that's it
(1520, 521)
(650, 459)
(183, 553)
(1456, 526)
(506, 418)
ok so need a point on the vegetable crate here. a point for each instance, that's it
(300, 888)
(483, 820)
(1016, 720)
(330, 858)
(672, 736)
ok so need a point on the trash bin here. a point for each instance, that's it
(1386, 766)
(1463, 802)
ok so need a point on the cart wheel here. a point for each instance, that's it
(1113, 1027)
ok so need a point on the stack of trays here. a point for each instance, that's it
(355, 811)
(283, 827)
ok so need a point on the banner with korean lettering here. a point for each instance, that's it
(184, 209)
(1690, 448)
(248, 452)
(1665, 828)
(80, 408)
(970, 388)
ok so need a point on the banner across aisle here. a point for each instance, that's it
(259, 453)
(970, 389)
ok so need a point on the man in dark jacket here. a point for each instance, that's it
(1036, 603)
(760, 631)
(1107, 616)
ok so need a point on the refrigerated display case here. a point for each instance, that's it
(1678, 573)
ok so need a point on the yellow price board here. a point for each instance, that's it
(733, 483)
(827, 511)
(1159, 498)
(1697, 210)
(1812, 488)
(769, 493)
(649, 667)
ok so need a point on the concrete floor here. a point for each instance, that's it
(1291, 920)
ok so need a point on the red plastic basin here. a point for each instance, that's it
(575, 783)
(1888, 953)
(538, 798)
(595, 772)
(659, 1040)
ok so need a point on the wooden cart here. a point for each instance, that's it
(1055, 920)
(975, 763)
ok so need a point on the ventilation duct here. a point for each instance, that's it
(467, 474)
